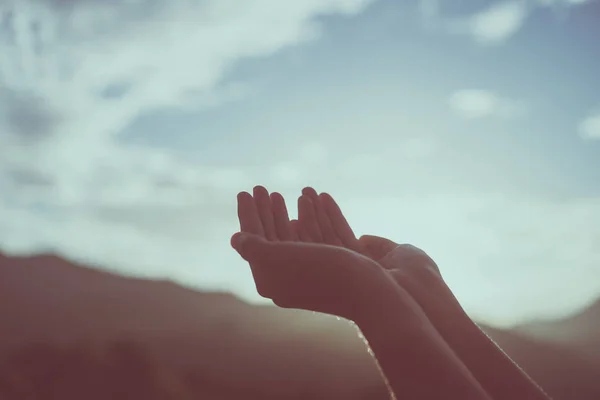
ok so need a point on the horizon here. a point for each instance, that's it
(470, 130)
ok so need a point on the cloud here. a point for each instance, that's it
(498, 23)
(589, 128)
(75, 75)
(479, 103)
(493, 25)
(489, 26)
(563, 2)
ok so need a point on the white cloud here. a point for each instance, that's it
(495, 24)
(479, 103)
(499, 22)
(589, 128)
(473, 103)
(490, 26)
(563, 2)
(75, 75)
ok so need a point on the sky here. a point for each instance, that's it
(470, 129)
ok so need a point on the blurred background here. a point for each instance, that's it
(468, 128)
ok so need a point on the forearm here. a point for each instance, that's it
(493, 369)
(414, 359)
(491, 366)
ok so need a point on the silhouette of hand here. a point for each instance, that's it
(297, 274)
(317, 264)
(321, 220)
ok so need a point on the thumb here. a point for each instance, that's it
(377, 246)
(248, 245)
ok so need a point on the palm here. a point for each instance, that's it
(323, 234)
(294, 270)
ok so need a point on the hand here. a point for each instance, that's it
(320, 220)
(295, 271)
(296, 274)
(414, 271)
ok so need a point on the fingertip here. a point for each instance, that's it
(276, 196)
(236, 240)
(370, 240)
(245, 244)
(325, 195)
(306, 200)
(240, 240)
(259, 189)
(309, 191)
(243, 194)
(377, 244)
(329, 203)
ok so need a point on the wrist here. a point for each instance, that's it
(381, 301)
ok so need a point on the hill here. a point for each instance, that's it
(281, 353)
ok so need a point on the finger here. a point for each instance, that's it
(299, 232)
(235, 241)
(307, 218)
(281, 218)
(248, 214)
(328, 233)
(246, 244)
(377, 247)
(338, 221)
(265, 212)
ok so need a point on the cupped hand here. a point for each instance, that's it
(316, 263)
(322, 221)
(415, 272)
(292, 270)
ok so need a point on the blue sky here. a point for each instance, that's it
(468, 128)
